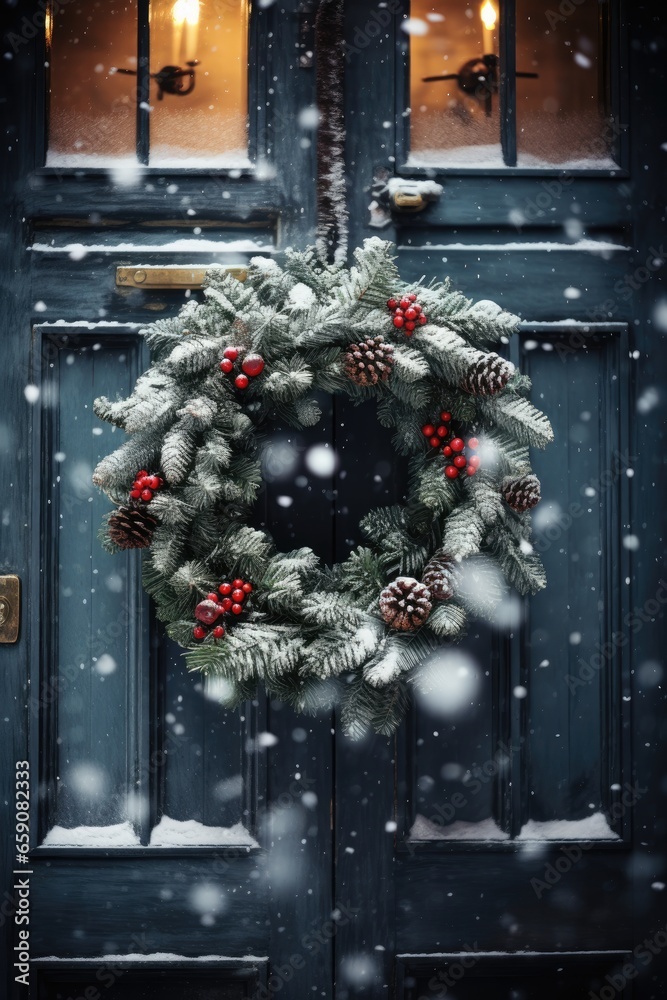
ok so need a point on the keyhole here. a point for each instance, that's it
(4, 610)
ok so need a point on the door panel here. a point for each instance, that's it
(549, 740)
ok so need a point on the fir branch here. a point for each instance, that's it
(519, 418)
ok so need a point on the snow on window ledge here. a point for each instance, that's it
(594, 827)
(190, 833)
(154, 956)
(185, 244)
(491, 156)
(118, 835)
(486, 829)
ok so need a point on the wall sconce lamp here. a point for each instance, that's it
(173, 79)
(479, 77)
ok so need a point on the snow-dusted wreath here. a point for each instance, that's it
(353, 633)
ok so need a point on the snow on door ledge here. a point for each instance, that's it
(594, 827)
(168, 833)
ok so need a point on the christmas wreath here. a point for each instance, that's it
(186, 478)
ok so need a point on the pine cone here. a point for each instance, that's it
(131, 527)
(521, 492)
(369, 362)
(405, 604)
(439, 576)
(488, 375)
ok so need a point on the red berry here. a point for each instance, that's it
(405, 303)
(140, 473)
(411, 313)
(253, 365)
(199, 632)
(442, 431)
(238, 596)
(212, 597)
(144, 481)
(410, 325)
(460, 462)
(451, 472)
(434, 442)
(236, 609)
(446, 451)
(241, 381)
(207, 611)
(471, 470)
(218, 632)
(412, 297)
(154, 482)
(422, 319)
(135, 494)
(473, 443)
(409, 333)
(457, 444)
(238, 582)
(146, 495)
(225, 588)
(398, 321)
(445, 416)
(231, 353)
(417, 308)
(428, 430)
(136, 485)
(391, 303)
(226, 366)
(226, 603)
(247, 588)
(475, 461)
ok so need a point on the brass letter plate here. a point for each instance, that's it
(10, 608)
(155, 277)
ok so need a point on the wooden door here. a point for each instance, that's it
(175, 849)
(510, 845)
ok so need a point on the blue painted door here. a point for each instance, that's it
(511, 848)
(509, 843)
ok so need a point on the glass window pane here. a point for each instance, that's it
(208, 125)
(454, 119)
(92, 111)
(561, 116)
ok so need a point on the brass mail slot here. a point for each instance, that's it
(10, 608)
(170, 277)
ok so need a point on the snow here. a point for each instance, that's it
(486, 829)
(490, 155)
(118, 835)
(153, 956)
(428, 189)
(594, 827)
(234, 159)
(74, 160)
(185, 244)
(583, 244)
(189, 833)
(91, 325)
(301, 296)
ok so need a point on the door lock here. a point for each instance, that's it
(10, 608)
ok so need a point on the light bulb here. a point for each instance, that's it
(488, 15)
(186, 12)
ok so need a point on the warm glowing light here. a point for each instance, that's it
(487, 13)
(187, 12)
